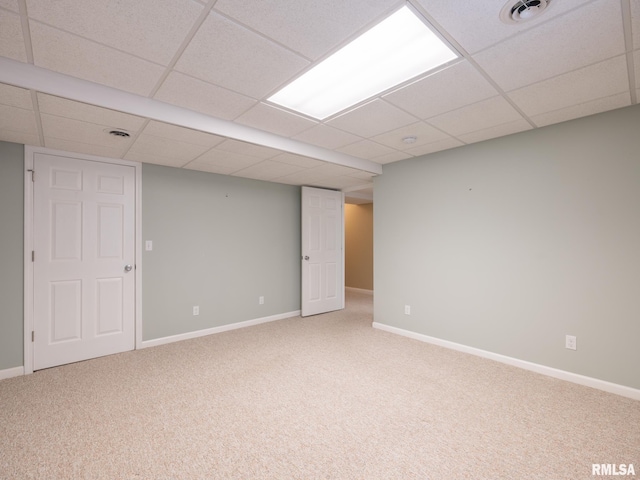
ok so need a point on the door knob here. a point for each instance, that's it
(306, 257)
(128, 268)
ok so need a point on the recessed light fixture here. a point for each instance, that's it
(397, 49)
(410, 139)
(518, 11)
(119, 133)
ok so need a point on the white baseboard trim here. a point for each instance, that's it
(210, 331)
(11, 372)
(359, 290)
(534, 367)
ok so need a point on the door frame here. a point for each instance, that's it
(29, 153)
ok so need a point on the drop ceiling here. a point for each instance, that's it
(188, 80)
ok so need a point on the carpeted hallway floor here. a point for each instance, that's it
(324, 397)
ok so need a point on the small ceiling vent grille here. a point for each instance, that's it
(523, 10)
(119, 133)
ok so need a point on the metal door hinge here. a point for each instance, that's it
(33, 174)
(33, 335)
(33, 255)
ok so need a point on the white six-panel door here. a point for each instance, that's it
(84, 259)
(322, 251)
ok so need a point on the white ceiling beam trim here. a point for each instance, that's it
(42, 80)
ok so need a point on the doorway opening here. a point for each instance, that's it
(359, 245)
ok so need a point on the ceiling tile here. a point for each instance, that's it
(244, 148)
(307, 177)
(636, 63)
(318, 183)
(583, 109)
(10, 5)
(267, 170)
(233, 161)
(151, 29)
(72, 55)
(424, 134)
(181, 134)
(155, 159)
(391, 157)
(479, 116)
(78, 131)
(435, 147)
(635, 23)
(362, 175)
(274, 120)
(311, 28)
(443, 91)
(184, 91)
(366, 149)
(476, 25)
(62, 107)
(15, 97)
(166, 148)
(326, 136)
(589, 83)
(205, 167)
(18, 137)
(78, 147)
(17, 120)
(566, 64)
(11, 39)
(298, 160)
(231, 56)
(332, 170)
(372, 118)
(548, 50)
(342, 182)
(496, 131)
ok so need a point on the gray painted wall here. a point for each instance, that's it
(11, 254)
(510, 244)
(219, 242)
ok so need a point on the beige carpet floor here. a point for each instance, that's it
(325, 397)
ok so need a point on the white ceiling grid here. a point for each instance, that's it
(224, 58)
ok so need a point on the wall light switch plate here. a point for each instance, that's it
(407, 309)
(148, 245)
(196, 310)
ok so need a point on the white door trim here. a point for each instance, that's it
(29, 153)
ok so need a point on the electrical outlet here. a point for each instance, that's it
(570, 342)
(407, 309)
(261, 300)
(196, 310)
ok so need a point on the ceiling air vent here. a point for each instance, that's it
(519, 11)
(119, 133)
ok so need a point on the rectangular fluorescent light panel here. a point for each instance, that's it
(399, 48)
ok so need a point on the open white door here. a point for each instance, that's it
(84, 259)
(322, 251)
